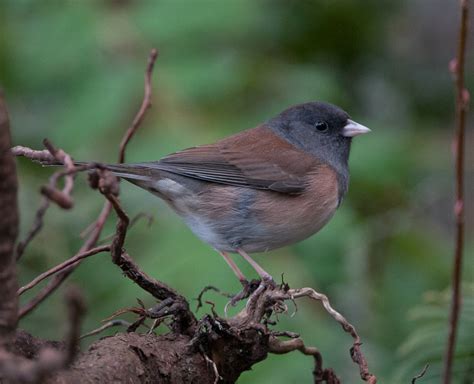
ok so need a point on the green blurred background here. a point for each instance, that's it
(72, 71)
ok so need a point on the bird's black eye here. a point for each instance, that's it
(321, 126)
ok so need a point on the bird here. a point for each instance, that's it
(260, 189)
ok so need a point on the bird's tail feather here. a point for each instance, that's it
(129, 171)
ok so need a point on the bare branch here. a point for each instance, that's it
(107, 325)
(41, 156)
(133, 221)
(89, 243)
(462, 103)
(61, 267)
(35, 228)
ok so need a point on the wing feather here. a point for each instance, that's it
(256, 158)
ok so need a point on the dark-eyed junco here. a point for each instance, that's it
(260, 189)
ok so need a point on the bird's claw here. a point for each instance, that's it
(249, 287)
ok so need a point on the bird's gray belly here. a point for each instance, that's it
(229, 224)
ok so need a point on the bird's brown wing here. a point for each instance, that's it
(256, 158)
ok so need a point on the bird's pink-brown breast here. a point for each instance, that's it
(291, 218)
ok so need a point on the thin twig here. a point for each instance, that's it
(146, 103)
(210, 288)
(462, 102)
(35, 228)
(65, 159)
(133, 221)
(420, 375)
(61, 267)
(57, 280)
(109, 324)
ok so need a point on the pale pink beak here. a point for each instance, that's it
(352, 129)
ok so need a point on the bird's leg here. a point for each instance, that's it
(249, 286)
(234, 268)
(265, 276)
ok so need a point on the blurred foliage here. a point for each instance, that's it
(426, 341)
(73, 72)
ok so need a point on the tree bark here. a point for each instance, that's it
(166, 359)
(8, 232)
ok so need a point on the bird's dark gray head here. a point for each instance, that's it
(322, 130)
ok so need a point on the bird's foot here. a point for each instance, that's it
(255, 287)
(249, 287)
(265, 283)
